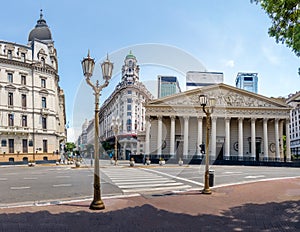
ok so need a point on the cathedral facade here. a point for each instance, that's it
(244, 126)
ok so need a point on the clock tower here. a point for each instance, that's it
(130, 69)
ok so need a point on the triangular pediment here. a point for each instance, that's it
(24, 90)
(10, 87)
(225, 95)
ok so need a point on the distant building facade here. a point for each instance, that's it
(196, 79)
(247, 81)
(167, 85)
(32, 104)
(294, 101)
(126, 102)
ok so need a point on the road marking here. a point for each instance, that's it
(174, 177)
(233, 172)
(3, 178)
(253, 177)
(62, 185)
(149, 185)
(63, 176)
(156, 189)
(19, 188)
(30, 178)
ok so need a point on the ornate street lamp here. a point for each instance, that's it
(115, 124)
(207, 107)
(88, 65)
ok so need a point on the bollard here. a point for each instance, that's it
(211, 178)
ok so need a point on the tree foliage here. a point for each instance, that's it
(285, 16)
(70, 146)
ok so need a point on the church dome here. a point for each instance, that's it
(41, 31)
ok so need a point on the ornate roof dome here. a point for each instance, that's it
(41, 31)
(130, 56)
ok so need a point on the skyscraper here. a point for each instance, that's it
(247, 81)
(167, 85)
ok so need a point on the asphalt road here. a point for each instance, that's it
(44, 184)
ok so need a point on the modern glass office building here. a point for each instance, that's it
(247, 81)
(167, 85)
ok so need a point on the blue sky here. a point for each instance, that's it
(225, 36)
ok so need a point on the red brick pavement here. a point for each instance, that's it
(261, 206)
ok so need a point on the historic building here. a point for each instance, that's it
(32, 104)
(294, 101)
(126, 103)
(244, 126)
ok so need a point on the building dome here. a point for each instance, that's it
(130, 56)
(41, 31)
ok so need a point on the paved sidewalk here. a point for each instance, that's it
(261, 206)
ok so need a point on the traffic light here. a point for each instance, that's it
(202, 148)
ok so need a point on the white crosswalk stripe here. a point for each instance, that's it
(131, 180)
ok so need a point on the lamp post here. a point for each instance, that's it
(207, 107)
(115, 127)
(88, 66)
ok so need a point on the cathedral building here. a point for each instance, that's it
(245, 126)
(126, 103)
(32, 104)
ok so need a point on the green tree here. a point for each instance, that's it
(285, 16)
(70, 146)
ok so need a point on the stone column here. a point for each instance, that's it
(277, 150)
(253, 140)
(186, 136)
(172, 137)
(147, 136)
(213, 143)
(265, 127)
(227, 138)
(240, 149)
(200, 135)
(281, 140)
(159, 135)
(288, 140)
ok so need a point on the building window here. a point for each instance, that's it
(3, 143)
(44, 103)
(24, 101)
(43, 83)
(10, 99)
(23, 80)
(129, 100)
(128, 125)
(129, 92)
(128, 113)
(45, 146)
(44, 123)
(25, 145)
(10, 77)
(43, 61)
(11, 146)
(10, 120)
(24, 120)
(128, 107)
(9, 54)
(23, 57)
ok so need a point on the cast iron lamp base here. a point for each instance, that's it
(97, 205)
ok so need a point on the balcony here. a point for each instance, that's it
(44, 111)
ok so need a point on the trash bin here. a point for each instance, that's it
(211, 178)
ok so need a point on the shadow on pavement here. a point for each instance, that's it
(284, 216)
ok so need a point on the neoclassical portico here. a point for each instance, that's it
(244, 125)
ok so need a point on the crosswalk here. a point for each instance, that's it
(137, 180)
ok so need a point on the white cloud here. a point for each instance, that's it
(229, 63)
